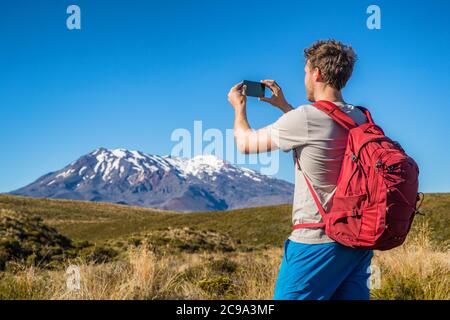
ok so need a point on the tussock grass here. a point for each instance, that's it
(225, 255)
(417, 270)
(144, 275)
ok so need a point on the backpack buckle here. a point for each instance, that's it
(378, 164)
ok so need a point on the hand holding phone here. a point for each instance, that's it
(277, 98)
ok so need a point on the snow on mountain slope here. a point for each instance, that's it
(136, 178)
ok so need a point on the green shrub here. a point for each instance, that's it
(217, 287)
(99, 254)
(173, 240)
(223, 266)
(26, 239)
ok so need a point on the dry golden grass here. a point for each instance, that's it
(143, 275)
(417, 270)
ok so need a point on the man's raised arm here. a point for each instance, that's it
(248, 140)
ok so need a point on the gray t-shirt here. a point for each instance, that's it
(320, 143)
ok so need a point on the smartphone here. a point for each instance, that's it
(254, 89)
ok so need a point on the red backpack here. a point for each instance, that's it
(376, 194)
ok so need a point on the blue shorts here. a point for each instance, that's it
(322, 272)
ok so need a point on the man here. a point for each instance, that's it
(313, 265)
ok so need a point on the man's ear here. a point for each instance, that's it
(317, 75)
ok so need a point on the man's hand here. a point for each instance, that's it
(247, 140)
(277, 99)
(236, 97)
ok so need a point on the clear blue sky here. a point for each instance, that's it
(139, 69)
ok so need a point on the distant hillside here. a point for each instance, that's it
(92, 221)
(253, 226)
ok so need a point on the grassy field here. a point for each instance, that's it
(264, 226)
(134, 253)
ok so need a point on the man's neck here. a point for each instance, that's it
(329, 94)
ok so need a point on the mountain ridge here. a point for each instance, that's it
(121, 176)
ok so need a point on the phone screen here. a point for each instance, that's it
(254, 89)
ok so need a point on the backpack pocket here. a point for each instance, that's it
(345, 225)
(397, 168)
(346, 228)
(348, 203)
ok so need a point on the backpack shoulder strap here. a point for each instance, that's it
(367, 114)
(315, 198)
(334, 112)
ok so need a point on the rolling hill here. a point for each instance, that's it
(269, 225)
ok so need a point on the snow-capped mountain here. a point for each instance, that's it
(136, 178)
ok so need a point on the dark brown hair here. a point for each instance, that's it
(334, 59)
